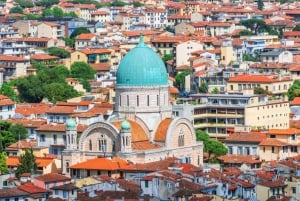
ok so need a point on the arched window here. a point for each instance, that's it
(137, 100)
(148, 100)
(90, 145)
(67, 167)
(102, 144)
(181, 138)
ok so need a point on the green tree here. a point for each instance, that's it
(62, 70)
(167, 57)
(214, 148)
(82, 70)
(3, 167)
(69, 42)
(30, 89)
(203, 88)
(24, 3)
(16, 9)
(59, 52)
(86, 84)
(215, 91)
(260, 4)
(294, 90)
(180, 79)
(47, 3)
(248, 57)
(27, 163)
(256, 25)
(245, 33)
(260, 90)
(33, 17)
(118, 3)
(79, 31)
(47, 12)
(57, 12)
(7, 90)
(297, 28)
(137, 4)
(59, 92)
(10, 133)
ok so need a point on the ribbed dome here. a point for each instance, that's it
(125, 125)
(141, 67)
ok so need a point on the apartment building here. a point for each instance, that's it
(218, 113)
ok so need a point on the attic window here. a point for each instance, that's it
(272, 136)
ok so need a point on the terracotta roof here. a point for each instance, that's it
(28, 123)
(173, 90)
(273, 184)
(61, 110)
(12, 161)
(296, 101)
(23, 144)
(239, 159)
(42, 57)
(254, 79)
(138, 33)
(161, 131)
(144, 145)
(137, 132)
(59, 127)
(103, 164)
(12, 192)
(272, 142)
(246, 137)
(95, 51)
(100, 12)
(101, 66)
(43, 161)
(85, 36)
(30, 188)
(157, 165)
(12, 58)
(32, 109)
(289, 131)
(52, 177)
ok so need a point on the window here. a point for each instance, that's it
(294, 149)
(146, 184)
(273, 149)
(67, 167)
(272, 136)
(64, 194)
(54, 139)
(294, 190)
(56, 192)
(137, 101)
(230, 150)
(127, 100)
(148, 100)
(102, 144)
(90, 145)
(293, 137)
(181, 138)
(42, 138)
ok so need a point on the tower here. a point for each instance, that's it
(125, 135)
(71, 132)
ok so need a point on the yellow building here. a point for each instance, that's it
(271, 84)
(280, 144)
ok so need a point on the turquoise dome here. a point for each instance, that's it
(70, 124)
(125, 125)
(141, 66)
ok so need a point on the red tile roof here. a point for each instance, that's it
(239, 159)
(61, 110)
(296, 101)
(32, 189)
(22, 144)
(289, 131)
(137, 132)
(12, 58)
(254, 79)
(52, 177)
(161, 131)
(85, 36)
(246, 137)
(144, 145)
(273, 142)
(40, 57)
(59, 127)
(103, 164)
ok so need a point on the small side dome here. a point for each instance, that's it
(70, 124)
(125, 125)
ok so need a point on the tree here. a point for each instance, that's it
(47, 3)
(203, 88)
(260, 4)
(245, 33)
(30, 89)
(69, 41)
(214, 148)
(27, 163)
(62, 70)
(297, 28)
(24, 3)
(59, 52)
(7, 90)
(47, 12)
(86, 84)
(59, 92)
(294, 90)
(10, 133)
(215, 91)
(256, 25)
(82, 70)
(248, 57)
(168, 57)
(79, 31)
(118, 3)
(57, 12)
(260, 90)
(137, 4)
(16, 9)
(3, 167)
(180, 79)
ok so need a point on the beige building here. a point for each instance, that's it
(100, 16)
(142, 128)
(268, 39)
(275, 85)
(227, 54)
(49, 30)
(130, 19)
(218, 113)
(184, 51)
